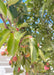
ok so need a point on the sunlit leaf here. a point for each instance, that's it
(12, 44)
(9, 15)
(4, 37)
(23, 25)
(33, 50)
(19, 35)
(42, 55)
(11, 2)
(3, 8)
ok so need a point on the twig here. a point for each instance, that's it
(4, 21)
(9, 21)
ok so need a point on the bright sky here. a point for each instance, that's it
(24, 0)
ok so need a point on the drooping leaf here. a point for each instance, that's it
(33, 50)
(3, 8)
(43, 8)
(42, 55)
(12, 44)
(4, 36)
(23, 25)
(19, 35)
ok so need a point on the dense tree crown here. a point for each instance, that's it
(28, 32)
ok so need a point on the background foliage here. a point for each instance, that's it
(35, 18)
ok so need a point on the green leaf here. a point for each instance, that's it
(13, 11)
(19, 35)
(46, 4)
(9, 15)
(3, 8)
(34, 50)
(27, 1)
(43, 8)
(42, 55)
(24, 42)
(2, 25)
(3, 32)
(4, 37)
(21, 71)
(23, 61)
(11, 2)
(26, 38)
(23, 25)
(12, 44)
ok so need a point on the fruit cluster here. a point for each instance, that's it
(4, 52)
(14, 60)
(46, 67)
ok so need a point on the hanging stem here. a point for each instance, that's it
(4, 21)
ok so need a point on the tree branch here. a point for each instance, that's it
(9, 21)
(4, 21)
